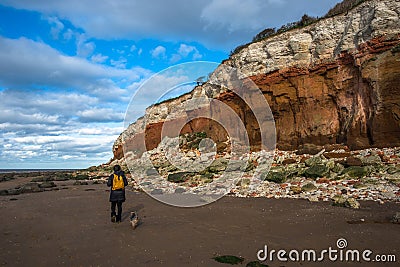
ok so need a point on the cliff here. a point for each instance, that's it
(335, 81)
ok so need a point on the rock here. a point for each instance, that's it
(313, 161)
(359, 185)
(338, 168)
(42, 179)
(274, 176)
(352, 203)
(218, 165)
(371, 160)
(310, 149)
(356, 171)
(81, 177)
(396, 218)
(31, 188)
(353, 161)
(80, 183)
(180, 190)
(313, 199)
(316, 171)
(14, 191)
(308, 187)
(288, 161)
(245, 182)
(151, 172)
(296, 189)
(332, 147)
(393, 169)
(157, 192)
(323, 180)
(342, 201)
(61, 178)
(49, 184)
(236, 165)
(3, 192)
(337, 155)
(250, 166)
(179, 177)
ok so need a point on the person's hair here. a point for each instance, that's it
(117, 168)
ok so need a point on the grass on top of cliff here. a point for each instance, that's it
(306, 20)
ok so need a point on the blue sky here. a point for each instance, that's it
(68, 69)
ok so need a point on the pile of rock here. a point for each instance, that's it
(331, 174)
(317, 173)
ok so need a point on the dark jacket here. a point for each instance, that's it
(117, 195)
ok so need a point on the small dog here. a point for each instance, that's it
(134, 219)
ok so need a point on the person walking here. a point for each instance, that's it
(117, 181)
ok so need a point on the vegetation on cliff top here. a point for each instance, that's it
(306, 20)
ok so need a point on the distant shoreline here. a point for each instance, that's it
(36, 170)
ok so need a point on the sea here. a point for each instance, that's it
(34, 170)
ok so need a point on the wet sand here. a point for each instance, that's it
(71, 227)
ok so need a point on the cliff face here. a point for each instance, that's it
(335, 81)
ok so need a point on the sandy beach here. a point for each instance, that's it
(71, 227)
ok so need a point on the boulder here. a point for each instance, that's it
(288, 161)
(371, 160)
(274, 176)
(342, 201)
(31, 188)
(151, 172)
(49, 184)
(310, 149)
(336, 155)
(308, 187)
(356, 171)
(179, 177)
(296, 189)
(218, 165)
(316, 171)
(313, 161)
(352, 161)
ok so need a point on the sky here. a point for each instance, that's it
(68, 69)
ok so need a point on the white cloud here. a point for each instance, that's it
(98, 58)
(56, 27)
(100, 131)
(68, 34)
(175, 58)
(26, 63)
(100, 115)
(120, 63)
(83, 48)
(215, 23)
(158, 52)
(133, 48)
(184, 51)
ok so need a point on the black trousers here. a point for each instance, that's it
(119, 204)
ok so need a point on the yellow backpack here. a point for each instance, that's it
(118, 182)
